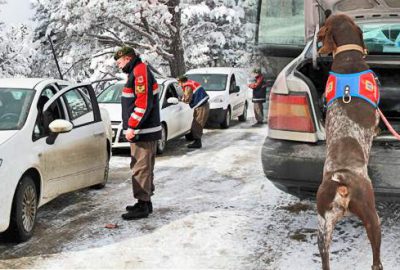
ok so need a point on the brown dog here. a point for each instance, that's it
(350, 129)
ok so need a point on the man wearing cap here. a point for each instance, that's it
(197, 98)
(141, 124)
(259, 95)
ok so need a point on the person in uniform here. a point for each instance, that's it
(141, 124)
(197, 98)
(259, 95)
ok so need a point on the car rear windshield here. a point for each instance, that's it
(382, 38)
(210, 82)
(112, 94)
(14, 107)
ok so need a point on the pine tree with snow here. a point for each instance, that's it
(172, 35)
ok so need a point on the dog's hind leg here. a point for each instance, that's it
(325, 231)
(366, 211)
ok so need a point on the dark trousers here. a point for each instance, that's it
(200, 116)
(143, 156)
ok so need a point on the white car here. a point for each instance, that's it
(53, 139)
(227, 88)
(176, 116)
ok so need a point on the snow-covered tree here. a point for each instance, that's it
(171, 34)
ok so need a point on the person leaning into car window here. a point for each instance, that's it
(197, 98)
(141, 124)
(259, 95)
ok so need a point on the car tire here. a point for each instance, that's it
(106, 174)
(24, 210)
(161, 144)
(227, 119)
(243, 117)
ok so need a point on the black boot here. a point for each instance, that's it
(189, 137)
(132, 207)
(196, 144)
(140, 210)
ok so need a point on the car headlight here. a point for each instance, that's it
(218, 99)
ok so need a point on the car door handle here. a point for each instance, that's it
(101, 134)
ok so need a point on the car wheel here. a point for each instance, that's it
(106, 174)
(163, 142)
(24, 209)
(227, 120)
(243, 117)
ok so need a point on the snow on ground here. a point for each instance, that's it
(213, 208)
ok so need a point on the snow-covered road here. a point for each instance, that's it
(213, 208)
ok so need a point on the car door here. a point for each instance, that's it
(77, 158)
(186, 113)
(172, 113)
(234, 97)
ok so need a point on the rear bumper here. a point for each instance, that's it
(296, 167)
(216, 115)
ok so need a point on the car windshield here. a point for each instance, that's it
(382, 38)
(112, 94)
(14, 107)
(210, 82)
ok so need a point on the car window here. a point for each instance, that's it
(79, 106)
(282, 22)
(14, 107)
(232, 84)
(382, 38)
(170, 92)
(210, 82)
(111, 94)
(43, 119)
(179, 90)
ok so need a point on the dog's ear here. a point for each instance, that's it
(360, 33)
(326, 37)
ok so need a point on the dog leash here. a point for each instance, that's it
(388, 125)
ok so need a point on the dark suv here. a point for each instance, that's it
(293, 154)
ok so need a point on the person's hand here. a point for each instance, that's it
(130, 134)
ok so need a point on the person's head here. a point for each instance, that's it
(124, 55)
(182, 79)
(256, 71)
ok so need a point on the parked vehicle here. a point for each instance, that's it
(54, 139)
(227, 88)
(293, 154)
(176, 116)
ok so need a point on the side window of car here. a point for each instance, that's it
(43, 119)
(282, 22)
(79, 106)
(179, 90)
(232, 84)
(170, 92)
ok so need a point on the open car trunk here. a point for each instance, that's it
(389, 90)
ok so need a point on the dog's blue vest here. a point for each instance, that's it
(346, 86)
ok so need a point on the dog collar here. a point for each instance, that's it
(350, 47)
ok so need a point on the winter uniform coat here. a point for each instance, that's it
(195, 94)
(259, 89)
(140, 103)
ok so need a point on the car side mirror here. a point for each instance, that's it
(236, 89)
(56, 127)
(173, 100)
